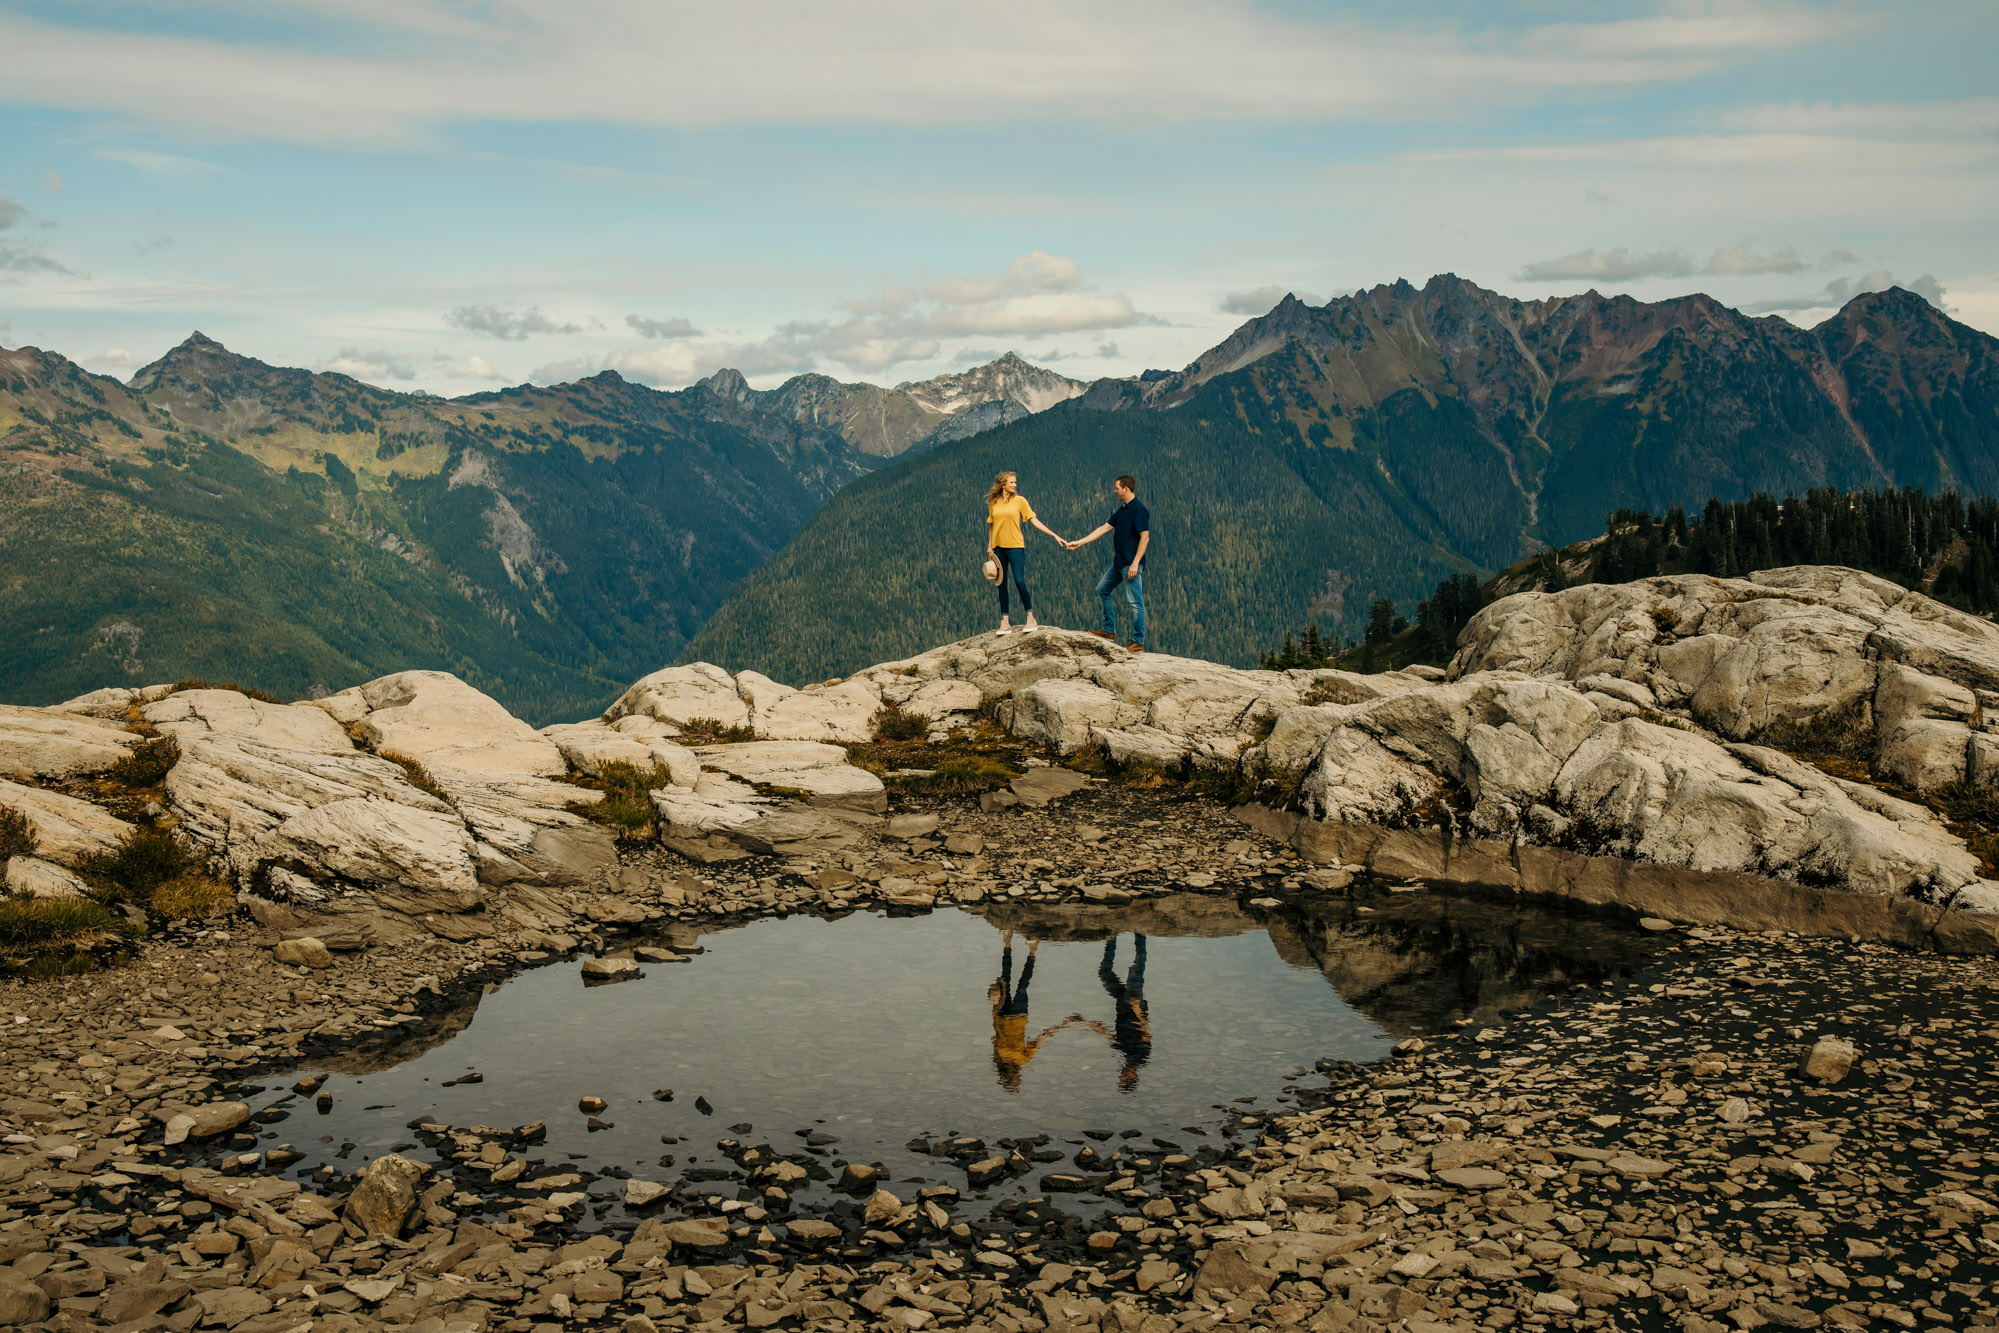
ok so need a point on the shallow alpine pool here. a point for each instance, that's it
(1096, 1042)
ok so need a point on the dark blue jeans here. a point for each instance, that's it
(1013, 567)
(1134, 596)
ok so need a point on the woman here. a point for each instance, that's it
(1006, 543)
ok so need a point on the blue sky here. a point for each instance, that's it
(451, 196)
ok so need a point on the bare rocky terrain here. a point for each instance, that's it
(1779, 1119)
(1651, 1153)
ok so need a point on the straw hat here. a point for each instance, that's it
(992, 571)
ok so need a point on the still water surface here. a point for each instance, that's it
(1172, 1018)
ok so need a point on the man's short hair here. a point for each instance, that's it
(1129, 482)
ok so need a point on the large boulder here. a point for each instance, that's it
(226, 712)
(493, 768)
(441, 722)
(255, 803)
(679, 695)
(49, 743)
(642, 742)
(842, 713)
(32, 877)
(66, 829)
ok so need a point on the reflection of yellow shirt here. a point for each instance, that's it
(1010, 1039)
(1005, 517)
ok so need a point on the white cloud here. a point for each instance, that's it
(1841, 290)
(1741, 261)
(1108, 351)
(505, 324)
(1614, 265)
(115, 358)
(31, 259)
(54, 182)
(662, 328)
(373, 365)
(1262, 300)
(1035, 295)
(474, 367)
(402, 70)
(10, 212)
(160, 166)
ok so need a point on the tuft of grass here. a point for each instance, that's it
(247, 691)
(967, 774)
(892, 722)
(37, 924)
(148, 764)
(191, 898)
(989, 708)
(419, 776)
(143, 862)
(627, 805)
(17, 835)
(1090, 758)
(709, 731)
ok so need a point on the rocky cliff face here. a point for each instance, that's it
(1613, 743)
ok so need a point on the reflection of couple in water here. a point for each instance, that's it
(1130, 1033)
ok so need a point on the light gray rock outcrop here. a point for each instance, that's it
(1765, 655)
(66, 829)
(31, 877)
(225, 712)
(51, 743)
(639, 741)
(820, 772)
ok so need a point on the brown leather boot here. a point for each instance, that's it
(1135, 646)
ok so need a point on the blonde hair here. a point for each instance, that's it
(999, 487)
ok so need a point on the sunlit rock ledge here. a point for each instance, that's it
(1613, 744)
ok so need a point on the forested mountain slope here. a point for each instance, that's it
(1363, 448)
(218, 516)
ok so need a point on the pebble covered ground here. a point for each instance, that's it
(1753, 1130)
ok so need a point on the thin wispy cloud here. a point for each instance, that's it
(1614, 265)
(162, 166)
(855, 62)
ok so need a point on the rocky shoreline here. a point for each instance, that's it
(1645, 1154)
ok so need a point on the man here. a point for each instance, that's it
(1130, 527)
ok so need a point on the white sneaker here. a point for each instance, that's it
(1001, 632)
(1029, 629)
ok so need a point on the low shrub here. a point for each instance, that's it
(35, 924)
(143, 862)
(709, 731)
(247, 691)
(1836, 734)
(894, 723)
(191, 898)
(419, 776)
(17, 835)
(967, 774)
(627, 805)
(148, 764)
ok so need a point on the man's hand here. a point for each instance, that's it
(1070, 546)
(1132, 573)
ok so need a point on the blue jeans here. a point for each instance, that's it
(1013, 567)
(1134, 596)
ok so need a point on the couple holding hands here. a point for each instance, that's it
(1129, 527)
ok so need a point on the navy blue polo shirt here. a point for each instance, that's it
(1129, 520)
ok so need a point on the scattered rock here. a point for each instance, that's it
(304, 952)
(386, 1197)
(1829, 1059)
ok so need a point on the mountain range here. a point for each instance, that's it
(1322, 457)
(307, 530)
(215, 513)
